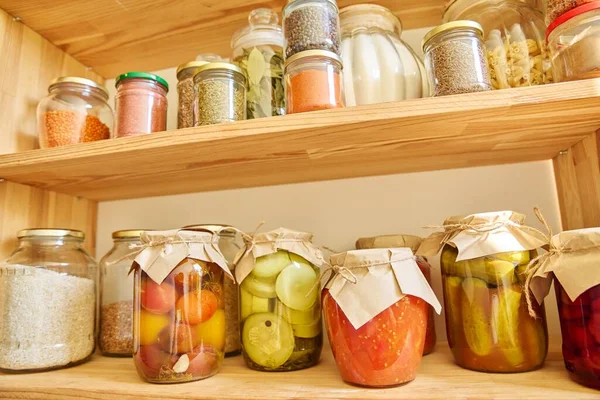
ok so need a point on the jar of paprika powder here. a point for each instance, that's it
(313, 81)
(140, 104)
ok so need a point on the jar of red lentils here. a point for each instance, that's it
(140, 104)
(75, 111)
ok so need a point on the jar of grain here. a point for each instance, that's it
(574, 41)
(116, 295)
(455, 59)
(140, 104)
(47, 302)
(311, 25)
(313, 81)
(185, 91)
(556, 8)
(230, 245)
(220, 94)
(75, 111)
(258, 50)
(514, 39)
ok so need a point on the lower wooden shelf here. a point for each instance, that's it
(438, 378)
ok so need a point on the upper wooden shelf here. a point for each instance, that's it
(114, 37)
(438, 378)
(499, 127)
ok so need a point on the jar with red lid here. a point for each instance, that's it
(376, 344)
(574, 42)
(140, 104)
(412, 242)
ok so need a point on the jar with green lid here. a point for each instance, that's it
(311, 25)
(516, 49)
(47, 302)
(455, 59)
(140, 104)
(116, 295)
(258, 50)
(220, 93)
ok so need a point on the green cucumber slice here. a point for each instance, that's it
(307, 331)
(246, 300)
(296, 288)
(267, 339)
(296, 317)
(271, 265)
(259, 287)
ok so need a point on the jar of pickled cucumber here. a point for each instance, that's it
(280, 309)
(178, 315)
(484, 265)
(413, 243)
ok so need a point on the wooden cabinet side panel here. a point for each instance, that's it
(577, 173)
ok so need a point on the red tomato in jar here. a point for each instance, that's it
(188, 274)
(150, 359)
(178, 338)
(197, 307)
(158, 299)
(204, 361)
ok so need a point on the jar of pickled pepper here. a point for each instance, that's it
(178, 316)
(483, 275)
(412, 242)
(279, 301)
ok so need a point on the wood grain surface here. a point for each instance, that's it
(28, 63)
(438, 378)
(499, 127)
(577, 173)
(114, 37)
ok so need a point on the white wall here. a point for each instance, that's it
(338, 212)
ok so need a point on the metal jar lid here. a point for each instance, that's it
(313, 53)
(81, 81)
(52, 233)
(142, 75)
(188, 65)
(332, 2)
(128, 234)
(221, 229)
(450, 26)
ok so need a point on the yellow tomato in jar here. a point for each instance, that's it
(212, 332)
(150, 326)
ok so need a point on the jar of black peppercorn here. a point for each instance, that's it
(311, 25)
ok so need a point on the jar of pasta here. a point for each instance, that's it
(313, 81)
(484, 262)
(514, 40)
(412, 242)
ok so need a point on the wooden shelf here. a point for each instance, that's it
(114, 37)
(507, 126)
(438, 378)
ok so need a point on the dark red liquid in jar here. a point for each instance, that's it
(430, 338)
(580, 326)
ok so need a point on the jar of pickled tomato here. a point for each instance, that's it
(412, 242)
(178, 315)
(376, 344)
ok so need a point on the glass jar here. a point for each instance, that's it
(47, 302)
(185, 92)
(580, 326)
(179, 324)
(378, 66)
(75, 111)
(455, 59)
(258, 50)
(220, 94)
(313, 81)
(280, 314)
(574, 40)
(556, 8)
(140, 104)
(487, 320)
(116, 296)
(311, 25)
(514, 40)
(412, 242)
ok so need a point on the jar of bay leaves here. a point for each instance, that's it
(220, 94)
(258, 50)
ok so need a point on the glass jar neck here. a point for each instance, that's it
(79, 89)
(139, 83)
(458, 8)
(459, 33)
(47, 241)
(363, 18)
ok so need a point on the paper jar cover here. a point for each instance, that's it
(480, 235)
(390, 241)
(574, 259)
(383, 276)
(162, 251)
(262, 244)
